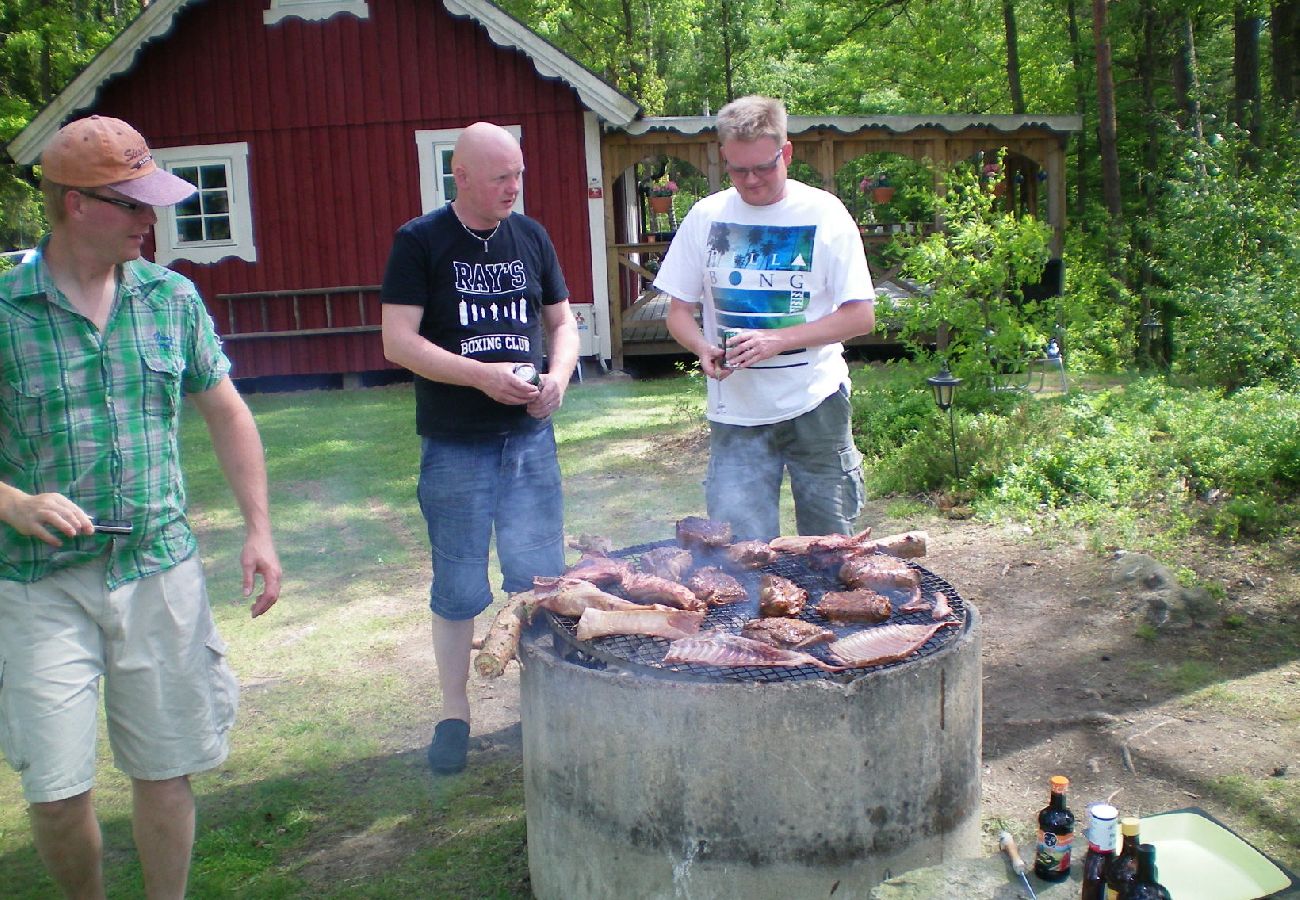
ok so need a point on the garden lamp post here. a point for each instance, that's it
(1152, 331)
(944, 385)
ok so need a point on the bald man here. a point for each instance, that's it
(469, 292)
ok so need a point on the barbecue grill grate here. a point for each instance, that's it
(645, 654)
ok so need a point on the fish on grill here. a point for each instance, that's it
(717, 648)
(790, 634)
(854, 607)
(571, 596)
(878, 572)
(884, 643)
(779, 596)
(716, 588)
(750, 554)
(602, 571)
(650, 621)
(653, 589)
(696, 532)
(667, 562)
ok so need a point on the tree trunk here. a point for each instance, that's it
(1013, 57)
(727, 73)
(1146, 69)
(1187, 85)
(1106, 142)
(1245, 69)
(1285, 26)
(1081, 107)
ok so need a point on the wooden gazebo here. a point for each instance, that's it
(827, 144)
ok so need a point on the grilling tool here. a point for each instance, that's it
(1008, 845)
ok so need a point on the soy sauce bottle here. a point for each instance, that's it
(1102, 838)
(1123, 868)
(1144, 886)
(1055, 834)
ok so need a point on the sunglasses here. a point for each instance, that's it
(113, 201)
(766, 168)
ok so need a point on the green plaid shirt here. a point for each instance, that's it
(94, 416)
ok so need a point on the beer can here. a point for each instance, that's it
(728, 335)
(527, 372)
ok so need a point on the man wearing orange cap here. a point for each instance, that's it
(100, 578)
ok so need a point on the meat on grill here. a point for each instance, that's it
(883, 644)
(592, 544)
(750, 554)
(716, 648)
(653, 589)
(571, 596)
(779, 596)
(878, 572)
(854, 607)
(696, 532)
(915, 604)
(667, 562)
(651, 621)
(716, 588)
(801, 544)
(942, 609)
(602, 571)
(790, 634)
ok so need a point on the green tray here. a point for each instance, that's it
(1199, 858)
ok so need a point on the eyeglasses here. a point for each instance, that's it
(113, 201)
(766, 168)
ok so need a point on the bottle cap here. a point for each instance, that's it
(1129, 825)
(1103, 811)
(1060, 783)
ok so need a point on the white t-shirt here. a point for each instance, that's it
(754, 267)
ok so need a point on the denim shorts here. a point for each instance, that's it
(473, 485)
(748, 462)
(169, 694)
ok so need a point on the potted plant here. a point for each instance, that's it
(882, 192)
(661, 195)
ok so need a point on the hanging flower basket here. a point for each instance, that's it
(661, 204)
(882, 194)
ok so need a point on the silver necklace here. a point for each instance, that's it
(478, 237)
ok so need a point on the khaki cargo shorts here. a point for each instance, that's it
(169, 694)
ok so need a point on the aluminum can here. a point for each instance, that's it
(527, 372)
(728, 335)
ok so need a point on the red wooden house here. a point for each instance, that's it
(314, 129)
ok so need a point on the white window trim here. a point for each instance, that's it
(240, 245)
(314, 10)
(431, 195)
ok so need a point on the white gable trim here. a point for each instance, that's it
(549, 61)
(314, 10)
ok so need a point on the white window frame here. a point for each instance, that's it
(167, 248)
(427, 145)
(314, 10)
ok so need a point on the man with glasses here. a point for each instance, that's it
(780, 271)
(100, 578)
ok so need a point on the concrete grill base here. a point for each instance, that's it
(639, 787)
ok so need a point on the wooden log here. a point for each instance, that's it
(502, 639)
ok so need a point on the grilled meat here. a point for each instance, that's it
(694, 531)
(716, 588)
(942, 609)
(570, 596)
(653, 589)
(667, 562)
(779, 596)
(885, 644)
(878, 572)
(789, 634)
(914, 603)
(750, 554)
(654, 622)
(592, 544)
(803, 543)
(716, 648)
(602, 571)
(853, 607)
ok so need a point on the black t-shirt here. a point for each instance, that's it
(485, 305)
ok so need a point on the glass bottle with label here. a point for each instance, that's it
(1144, 885)
(1123, 868)
(1055, 834)
(1102, 838)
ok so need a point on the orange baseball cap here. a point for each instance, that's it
(104, 152)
